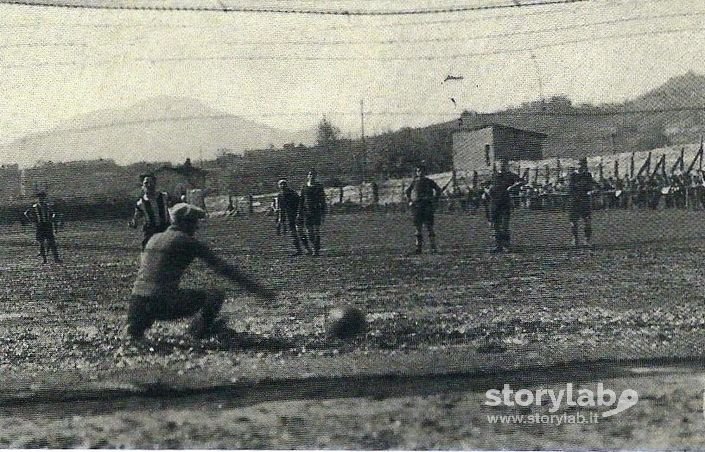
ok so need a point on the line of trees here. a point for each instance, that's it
(393, 154)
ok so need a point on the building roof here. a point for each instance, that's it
(500, 126)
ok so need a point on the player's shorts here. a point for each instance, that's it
(580, 208)
(144, 310)
(423, 214)
(150, 229)
(291, 223)
(313, 220)
(500, 211)
(45, 231)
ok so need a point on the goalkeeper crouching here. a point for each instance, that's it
(156, 294)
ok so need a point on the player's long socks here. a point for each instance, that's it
(295, 241)
(304, 240)
(54, 250)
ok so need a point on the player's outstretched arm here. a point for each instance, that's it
(234, 274)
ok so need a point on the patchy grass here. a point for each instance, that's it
(638, 291)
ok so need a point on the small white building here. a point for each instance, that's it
(477, 149)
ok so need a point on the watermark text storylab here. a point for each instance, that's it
(566, 398)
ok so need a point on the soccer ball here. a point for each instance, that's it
(345, 323)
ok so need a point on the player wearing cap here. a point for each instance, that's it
(422, 195)
(42, 215)
(288, 202)
(312, 209)
(579, 188)
(153, 207)
(156, 294)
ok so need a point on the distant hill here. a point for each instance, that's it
(158, 129)
(648, 121)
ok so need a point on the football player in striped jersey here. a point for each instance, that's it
(42, 215)
(153, 207)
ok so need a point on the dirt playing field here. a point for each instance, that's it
(443, 329)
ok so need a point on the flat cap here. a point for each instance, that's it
(185, 212)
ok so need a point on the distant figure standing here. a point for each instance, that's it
(422, 195)
(153, 207)
(501, 204)
(312, 209)
(42, 215)
(579, 191)
(276, 211)
(288, 202)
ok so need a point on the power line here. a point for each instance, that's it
(151, 24)
(414, 41)
(600, 113)
(156, 60)
(417, 113)
(699, 28)
(473, 38)
(43, 44)
(325, 12)
(476, 18)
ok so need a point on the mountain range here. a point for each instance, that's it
(671, 114)
(161, 129)
(175, 128)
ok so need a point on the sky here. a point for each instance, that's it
(288, 70)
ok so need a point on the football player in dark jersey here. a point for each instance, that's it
(156, 293)
(579, 192)
(501, 204)
(312, 209)
(422, 195)
(288, 202)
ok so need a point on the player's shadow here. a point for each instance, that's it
(233, 340)
(224, 340)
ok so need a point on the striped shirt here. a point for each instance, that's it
(154, 210)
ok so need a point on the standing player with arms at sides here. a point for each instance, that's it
(153, 207)
(156, 294)
(288, 201)
(579, 188)
(501, 204)
(312, 210)
(42, 215)
(422, 195)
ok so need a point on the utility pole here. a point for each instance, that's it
(538, 75)
(363, 164)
